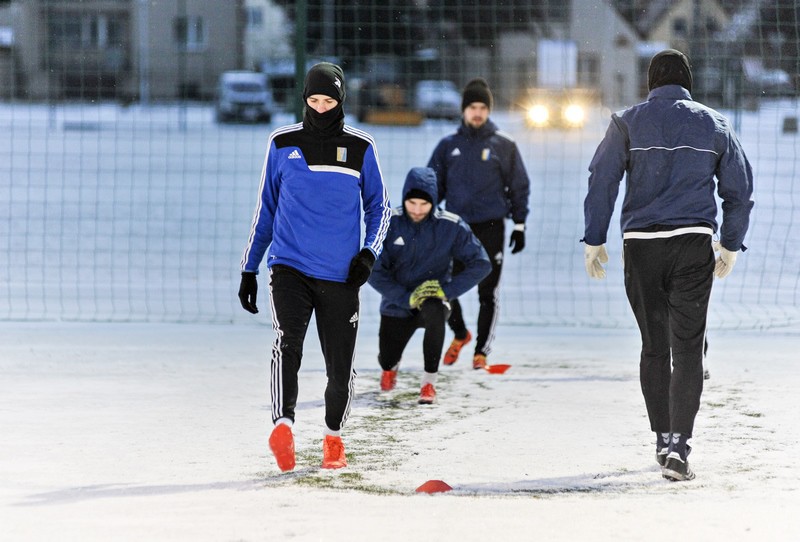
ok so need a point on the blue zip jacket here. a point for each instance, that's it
(480, 175)
(671, 148)
(311, 197)
(416, 252)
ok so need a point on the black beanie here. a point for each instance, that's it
(326, 79)
(419, 194)
(669, 67)
(476, 90)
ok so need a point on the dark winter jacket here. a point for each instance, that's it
(480, 175)
(671, 148)
(416, 252)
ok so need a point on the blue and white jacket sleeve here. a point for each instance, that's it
(735, 187)
(262, 225)
(519, 187)
(375, 200)
(382, 279)
(469, 251)
(606, 171)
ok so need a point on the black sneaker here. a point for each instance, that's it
(662, 448)
(661, 456)
(676, 469)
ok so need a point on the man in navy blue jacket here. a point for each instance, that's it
(413, 276)
(671, 148)
(482, 179)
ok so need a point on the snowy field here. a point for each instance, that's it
(118, 423)
(159, 432)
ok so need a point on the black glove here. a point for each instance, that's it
(248, 291)
(517, 241)
(360, 268)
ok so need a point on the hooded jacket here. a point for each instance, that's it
(671, 148)
(480, 175)
(416, 252)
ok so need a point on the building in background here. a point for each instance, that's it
(605, 61)
(124, 49)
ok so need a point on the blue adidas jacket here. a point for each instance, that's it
(310, 200)
(416, 252)
(671, 148)
(481, 176)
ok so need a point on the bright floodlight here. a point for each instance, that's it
(574, 115)
(538, 115)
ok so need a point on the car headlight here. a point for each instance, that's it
(538, 115)
(574, 115)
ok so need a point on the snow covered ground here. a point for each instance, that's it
(159, 432)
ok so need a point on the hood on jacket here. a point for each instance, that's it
(424, 179)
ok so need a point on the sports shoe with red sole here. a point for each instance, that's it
(427, 395)
(333, 453)
(479, 361)
(388, 380)
(451, 356)
(281, 442)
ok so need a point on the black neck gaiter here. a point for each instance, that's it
(327, 124)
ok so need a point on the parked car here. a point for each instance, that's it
(437, 99)
(243, 95)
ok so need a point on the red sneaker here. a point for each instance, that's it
(281, 442)
(388, 380)
(479, 361)
(451, 356)
(427, 395)
(333, 453)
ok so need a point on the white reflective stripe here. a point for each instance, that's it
(672, 149)
(337, 169)
(664, 234)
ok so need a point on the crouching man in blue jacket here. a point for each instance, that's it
(414, 277)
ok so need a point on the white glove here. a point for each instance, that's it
(593, 256)
(725, 262)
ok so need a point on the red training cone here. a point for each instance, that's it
(433, 486)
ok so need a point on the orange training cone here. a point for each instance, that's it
(433, 486)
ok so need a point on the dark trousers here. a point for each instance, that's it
(668, 283)
(294, 298)
(492, 236)
(395, 333)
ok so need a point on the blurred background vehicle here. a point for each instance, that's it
(243, 96)
(437, 99)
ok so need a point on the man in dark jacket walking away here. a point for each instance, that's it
(413, 276)
(671, 148)
(482, 179)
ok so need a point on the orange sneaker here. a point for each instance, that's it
(388, 380)
(451, 356)
(281, 442)
(427, 395)
(479, 361)
(333, 453)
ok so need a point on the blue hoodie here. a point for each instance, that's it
(416, 252)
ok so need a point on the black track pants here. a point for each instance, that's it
(395, 333)
(294, 297)
(668, 283)
(492, 236)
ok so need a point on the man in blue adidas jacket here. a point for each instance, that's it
(671, 148)
(413, 275)
(317, 178)
(482, 179)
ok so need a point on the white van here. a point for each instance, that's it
(244, 95)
